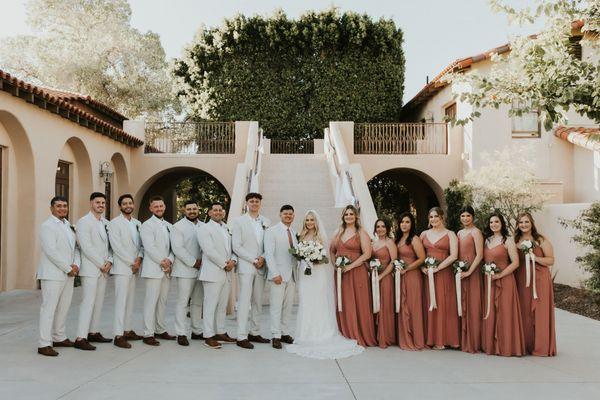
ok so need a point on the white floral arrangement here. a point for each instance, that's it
(431, 262)
(490, 268)
(399, 264)
(460, 266)
(527, 246)
(375, 263)
(342, 261)
(311, 252)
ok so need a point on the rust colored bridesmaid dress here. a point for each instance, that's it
(442, 322)
(411, 324)
(502, 331)
(537, 314)
(471, 298)
(356, 319)
(386, 318)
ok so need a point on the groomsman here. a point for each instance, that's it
(58, 265)
(282, 270)
(96, 262)
(126, 244)
(156, 270)
(188, 258)
(248, 233)
(217, 263)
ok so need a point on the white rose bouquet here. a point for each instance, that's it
(310, 252)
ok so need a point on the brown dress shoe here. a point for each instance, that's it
(212, 343)
(165, 336)
(131, 335)
(245, 344)
(200, 336)
(64, 343)
(224, 338)
(276, 343)
(97, 338)
(257, 339)
(121, 342)
(182, 341)
(151, 341)
(47, 351)
(83, 344)
(287, 339)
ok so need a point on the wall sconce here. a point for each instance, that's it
(105, 171)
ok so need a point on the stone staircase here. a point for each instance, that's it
(301, 180)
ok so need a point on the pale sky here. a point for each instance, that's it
(436, 32)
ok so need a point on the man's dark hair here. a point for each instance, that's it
(123, 197)
(56, 199)
(216, 203)
(286, 207)
(188, 202)
(156, 198)
(253, 195)
(95, 195)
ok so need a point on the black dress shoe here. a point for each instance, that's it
(131, 335)
(224, 338)
(287, 339)
(245, 344)
(199, 336)
(257, 339)
(165, 336)
(83, 344)
(121, 341)
(151, 341)
(97, 338)
(276, 343)
(47, 351)
(182, 341)
(64, 343)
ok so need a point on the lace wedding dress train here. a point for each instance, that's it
(317, 334)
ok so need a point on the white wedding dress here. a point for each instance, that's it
(317, 334)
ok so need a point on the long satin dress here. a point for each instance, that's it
(537, 314)
(411, 323)
(356, 318)
(442, 322)
(502, 331)
(471, 298)
(386, 318)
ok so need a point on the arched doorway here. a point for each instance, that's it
(177, 185)
(403, 189)
(74, 177)
(17, 205)
(117, 185)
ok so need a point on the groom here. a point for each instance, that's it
(282, 270)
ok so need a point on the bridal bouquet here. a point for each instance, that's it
(431, 263)
(342, 261)
(458, 267)
(527, 247)
(340, 264)
(399, 265)
(375, 267)
(488, 270)
(375, 263)
(310, 252)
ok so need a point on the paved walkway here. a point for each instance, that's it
(175, 372)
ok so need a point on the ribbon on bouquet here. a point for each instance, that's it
(432, 302)
(458, 292)
(397, 294)
(375, 290)
(488, 279)
(338, 272)
(530, 272)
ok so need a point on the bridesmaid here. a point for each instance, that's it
(411, 325)
(502, 330)
(385, 250)
(356, 318)
(537, 314)
(442, 322)
(470, 249)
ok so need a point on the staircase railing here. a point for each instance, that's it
(190, 137)
(344, 193)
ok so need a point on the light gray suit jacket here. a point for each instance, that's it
(157, 247)
(59, 250)
(123, 244)
(94, 244)
(216, 251)
(279, 259)
(246, 244)
(185, 246)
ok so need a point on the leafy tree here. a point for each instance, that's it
(457, 195)
(540, 73)
(588, 225)
(294, 75)
(90, 47)
(204, 189)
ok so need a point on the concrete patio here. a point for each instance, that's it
(175, 372)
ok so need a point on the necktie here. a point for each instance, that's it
(290, 238)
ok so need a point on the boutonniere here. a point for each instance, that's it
(228, 230)
(168, 228)
(73, 229)
(264, 226)
(137, 227)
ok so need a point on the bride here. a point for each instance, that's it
(317, 334)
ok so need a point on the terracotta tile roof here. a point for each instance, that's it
(57, 102)
(66, 95)
(587, 137)
(438, 83)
